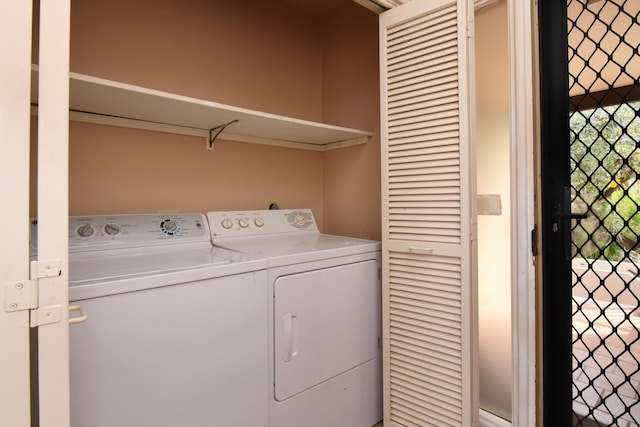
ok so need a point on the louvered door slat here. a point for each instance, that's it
(414, 111)
(443, 297)
(414, 332)
(435, 308)
(425, 170)
(415, 373)
(441, 138)
(438, 361)
(447, 115)
(419, 77)
(407, 217)
(424, 163)
(408, 419)
(440, 218)
(434, 406)
(404, 32)
(437, 94)
(428, 250)
(409, 195)
(428, 99)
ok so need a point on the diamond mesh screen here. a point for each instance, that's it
(604, 83)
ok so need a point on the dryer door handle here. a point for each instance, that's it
(289, 337)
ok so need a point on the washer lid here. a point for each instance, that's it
(103, 266)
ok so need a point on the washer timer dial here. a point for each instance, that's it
(170, 227)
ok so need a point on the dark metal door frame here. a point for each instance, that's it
(555, 232)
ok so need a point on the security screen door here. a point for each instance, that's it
(590, 159)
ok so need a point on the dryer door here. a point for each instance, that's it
(326, 322)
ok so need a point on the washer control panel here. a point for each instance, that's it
(254, 223)
(122, 231)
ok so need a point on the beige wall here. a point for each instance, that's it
(263, 55)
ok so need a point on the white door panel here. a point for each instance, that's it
(324, 324)
(428, 214)
(53, 202)
(15, 45)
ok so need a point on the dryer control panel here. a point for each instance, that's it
(254, 223)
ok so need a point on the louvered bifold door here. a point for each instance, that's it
(428, 215)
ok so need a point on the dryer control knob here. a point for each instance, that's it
(85, 230)
(227, 223)
(243, 223)
(259, 222)
(112, 229)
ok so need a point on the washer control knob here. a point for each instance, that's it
(170, 227)
(243, 223)
(112, 229)
(85, 230)
(259, 222)
(227, 223)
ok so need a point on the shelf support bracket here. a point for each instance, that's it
(214, 132)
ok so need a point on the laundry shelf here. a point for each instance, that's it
(97, 100)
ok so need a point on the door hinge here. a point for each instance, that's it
(23, 295)
(470, 25)
(46, 315)
(473, 232)
(534, 241)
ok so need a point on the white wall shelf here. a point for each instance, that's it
(101, 101)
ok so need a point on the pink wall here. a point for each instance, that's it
(124, 170)
(263, 55)
(255, 54)
(351, 185)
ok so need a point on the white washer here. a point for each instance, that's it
(176, 330)
(324, 319)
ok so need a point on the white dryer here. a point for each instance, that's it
(324, 316)
(175, 334)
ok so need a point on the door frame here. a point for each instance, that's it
(52, 269)
(523, 141)
(555, 271)
(524, 100)
(15, 43)
(525, 178)
(41, 299)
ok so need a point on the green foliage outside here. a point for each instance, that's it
(605, 177)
